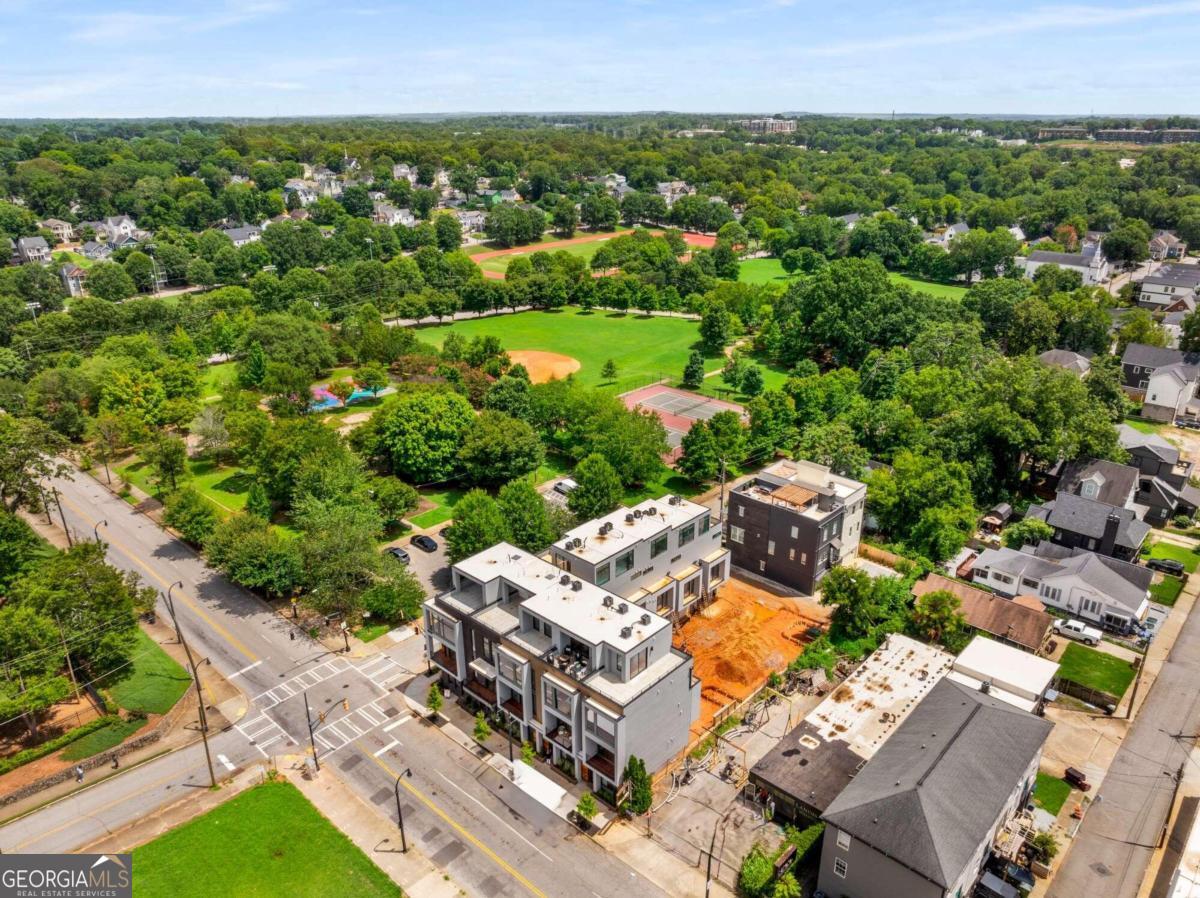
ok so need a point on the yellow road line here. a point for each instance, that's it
(428, 802)
(229, 637)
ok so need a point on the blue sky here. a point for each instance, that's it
(299, 57)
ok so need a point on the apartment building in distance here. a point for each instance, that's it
(585, 676)
(768, 125)
(663, 555)
(793, 521)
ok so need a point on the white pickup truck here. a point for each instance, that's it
(1074, 629)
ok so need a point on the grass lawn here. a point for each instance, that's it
(156, 683)
(774, 378)
(370, 632)
(949, 291)
(282, 846)
(225, 487)
(103, 739)
(584, 251)
(666, 482)
(1166, 591)
(63, 256)
(1182, 554)
(1143, 426)
(763, 271)
(1099, 670)
(1051, 793)
(646, 348)
(218, 380)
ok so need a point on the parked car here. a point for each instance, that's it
(1167, 566)
(565, 486)
(424, 543)
(1079, 631)
(399, 554)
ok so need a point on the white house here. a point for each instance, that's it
(63, 230)
(471, 221)
(387, 214)
(305, 191)
(1004, 672)
(1173, 288)
(243, 235)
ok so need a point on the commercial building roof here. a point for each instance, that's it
(930, 796)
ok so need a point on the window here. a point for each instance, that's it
(804, 558)
(1001, 578)
(705, 523)
(638, 661)
(791, 554)
(558, 699)
(839, 866)
(664, 601)
(442, 626)
(562, 562)
(770, 547)
(741, 511)
(1032, 584)
(691, 589)
(624, 563)
(510, 669)
(598, 724)
(659, 545)
(843, 840)
(737, 534)
(488, 650)
(795, 533)
(687, 534)
(602, 574)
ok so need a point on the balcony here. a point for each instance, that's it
(604, 764)
(481, 691)
(514, 706)
(562, 737)
(447, 660)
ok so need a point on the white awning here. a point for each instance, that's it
(483, 668)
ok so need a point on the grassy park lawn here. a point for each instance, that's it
(666, 482)
(1167, 590)
(224, 486)
(218, 380)
(763, 271)
(642, 348)
(156, 683)
(584, 251)
(1182, 554)
(774, 378)
(444, 499)
(948, 291)
(282, 844)
(1051, 793)
(1099, 670)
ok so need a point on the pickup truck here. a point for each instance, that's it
(1074, 629)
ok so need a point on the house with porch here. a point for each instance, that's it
(1166, 246)
(63, 231)
(587, 677)
(33, 250)
(1163, 380)
(72, 277)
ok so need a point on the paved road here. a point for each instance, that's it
(470, 821)
(1110, 855)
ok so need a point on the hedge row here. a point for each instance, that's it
(46, 748)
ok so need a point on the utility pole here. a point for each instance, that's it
(170, 602)
(721, 506)
(67, 652)
(313, 745)
(63, 516)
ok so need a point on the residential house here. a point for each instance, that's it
(1089, 262)
(664, 555)
(1104, 481)
(920, 818)
(1080, 522)
(809, 767)
(306, 191)
(1077, 364)
(33, 250)
(72, 277)
(472, 221)
(1017, 233)
(1163, 488)
(110, 229)
(586, 677)
(64, 231)
(850, 219)
(673, 190)
(793, 521)
(1172, 323)
(1172, 288)
(387, 214)
(945, 237)
(403, 172)
(96, 251)
(1163, 379)
(244, 234)
(1166, 246)
(1092, 587)
(1005, 672)
(1013, 623)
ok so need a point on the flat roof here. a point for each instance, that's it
(814, 476)
(816, 760)
(651, 517)
(1185, 883)
(1006, 665)
(515, 565)
(583, 613)
(608, 684)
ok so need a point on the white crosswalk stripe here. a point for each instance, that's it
(261, 731)
(300, 682)
(339, 733)
(382, 670)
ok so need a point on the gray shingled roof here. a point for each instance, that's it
(1156, 356)
(1175, 276)
(1131, 439)
(1076, 260)
(1065, 358)
(1076, 514)
(907, 802)
(1118, 481)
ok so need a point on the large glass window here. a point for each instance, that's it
(638, 661)
(687, 534)
(598, 724)
(441, 626)
(624, 563)
(659, 545)
(510, 669)
(602, 575)
(558, 699)
(705, 523)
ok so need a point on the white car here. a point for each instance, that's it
(1078, 630)
(565, 486)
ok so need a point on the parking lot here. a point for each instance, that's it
(431, 568)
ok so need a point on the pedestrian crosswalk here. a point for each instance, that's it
(382, 670)
(298, 684)
(335, 734)
(262, 731)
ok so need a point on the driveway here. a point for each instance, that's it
(432, 568)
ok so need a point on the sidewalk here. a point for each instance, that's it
(626, 841)
(375, 835)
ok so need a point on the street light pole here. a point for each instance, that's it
(400, 810)
(311, 742)
(170, 602)
(96, 529)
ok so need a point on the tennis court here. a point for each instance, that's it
(677, 409)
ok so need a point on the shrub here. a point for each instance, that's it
(482, 730)
(191, 514)
(1045, 845)
(12, 762)
(1182, 521)
(756, 873)
(641, 794)
(587, 806)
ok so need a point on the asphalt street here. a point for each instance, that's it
(468, 819)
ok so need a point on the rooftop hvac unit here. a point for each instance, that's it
(576, 585)
(672, 500)
(645, 619)
(607, 601)
(608, 525)
(637, 513)
(564, 579)
(629, 518)
(622, 608)
(603, 529)
(652, 511)
(626, 632)
(578, 542)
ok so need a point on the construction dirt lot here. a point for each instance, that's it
(745, 634)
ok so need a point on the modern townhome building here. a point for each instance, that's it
(589, 678)
(1091, 587)
(1089, 262)
(664, 555)
(809, 767)
(1163, 380)
(920, 818)
(1163, 489)
(1080, 522)
(1021, 622)
(793, 521)
(1172, 288)
(1166, 245)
